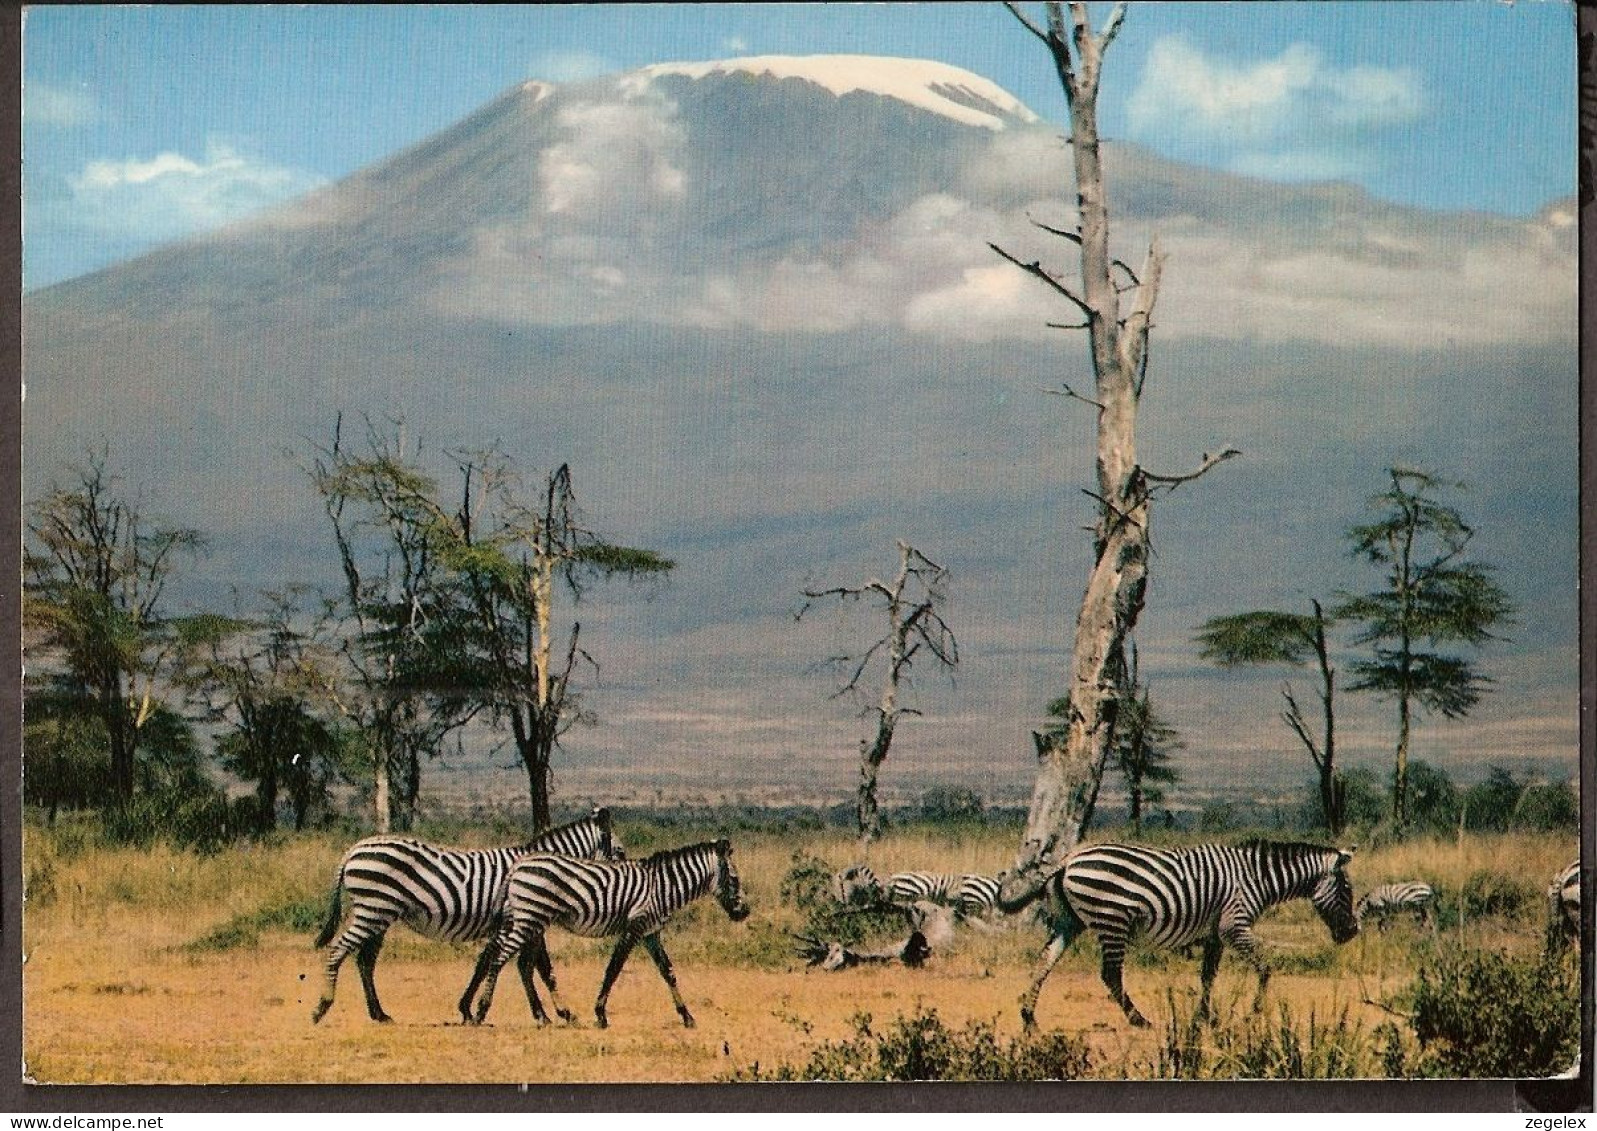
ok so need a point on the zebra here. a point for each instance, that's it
(597, 899)
(1563, 905)
(1383, 902)
(1207, 893)
(968, 894)
(447, 893)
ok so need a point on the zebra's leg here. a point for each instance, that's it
(546, 971)
(366, 963)
(1112, 970)
(1242, 941)
(1052, 953)
(662, 961)
(505, 944)
(356, 936)
(526, 962)
(618, 958)
(1213, 948)
(477, 975)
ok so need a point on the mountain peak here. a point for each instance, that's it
(924, 83)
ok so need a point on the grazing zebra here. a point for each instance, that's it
(1208, 893)
(1563, 905)
(447, 893)
(630, 898)
(969, 894)
(1383, 902)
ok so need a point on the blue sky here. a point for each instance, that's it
(143, 125)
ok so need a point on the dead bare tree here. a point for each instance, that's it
(910, 605)
(1070, 771)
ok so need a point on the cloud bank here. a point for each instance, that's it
(1294, 117)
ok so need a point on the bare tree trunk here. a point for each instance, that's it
(1071, 771)
(381, 801)
(872, 755)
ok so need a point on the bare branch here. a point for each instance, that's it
(1035, 269)
(1026, 22)
(1111, 27)
(1067, 391)
(1209, 461)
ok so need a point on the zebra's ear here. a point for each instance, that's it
(1343, 855)
(724, 846)
(602, 815)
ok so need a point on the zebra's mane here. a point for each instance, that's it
(666, 854)
(555, 830)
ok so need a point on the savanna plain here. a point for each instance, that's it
(160, 965)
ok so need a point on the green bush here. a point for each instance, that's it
(300, 916)
(1487, 1014)
(1259, 1047)
(807, 888)
(923, 1047)
(1487, 894)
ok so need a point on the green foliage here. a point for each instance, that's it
(1504, 802)
(299, 917)
(1257, 1046)
(807, 888)
(67, 759)
(950, 803)
(924, 1047)
(1486, 894)
(1482, 1014)
(1261, 637)
(1219, 817)
(1366, 797)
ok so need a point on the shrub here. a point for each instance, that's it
(923, 1047)
(1485, 1014)
(1491, 893)
(300, 916)
(1258, 1047)
(950, 803)
(807, 888)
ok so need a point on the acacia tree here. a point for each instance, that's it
(400, 684)
(1070, 771)
(909, 605)
(98, 572)
(260, 677)
(514, 559)
(1269, 636)
(1431, 596)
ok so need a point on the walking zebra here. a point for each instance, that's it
(969, 894)
(447, 893)
(1208, 893)
(631, 898)
(1563, 905)
(1383, 902)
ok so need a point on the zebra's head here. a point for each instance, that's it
(728, 888)
(609, 847)
(1333, 899)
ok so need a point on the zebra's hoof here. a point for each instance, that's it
(320, 1011)
(383, 1019)
(602, 1022)
(1138, 1021)
(687, 1020)
(568, 1017)
(1028, 1019)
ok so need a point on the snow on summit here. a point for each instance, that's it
(943, 89)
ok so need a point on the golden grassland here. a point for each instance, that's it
(159, 965)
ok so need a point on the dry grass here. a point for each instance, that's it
(115, 991)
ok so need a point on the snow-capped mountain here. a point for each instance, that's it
(752, 304)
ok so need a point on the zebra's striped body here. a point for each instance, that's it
(1381, 903)
(1208, 893)
(632, 899)
(969, 894)
(1563, 904)
(446, 893)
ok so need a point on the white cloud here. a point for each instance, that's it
(616, 157)
(1294, 117)
(570, 66)
(735, 44)
(45, 104)
(171, 195)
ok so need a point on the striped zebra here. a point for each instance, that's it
(1563, 905)
(633, 899)
(446, 893)
(969, 894)
(1381, 903)
(1208, 893)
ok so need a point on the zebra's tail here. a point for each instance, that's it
(1012, 897)
(335, 912)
